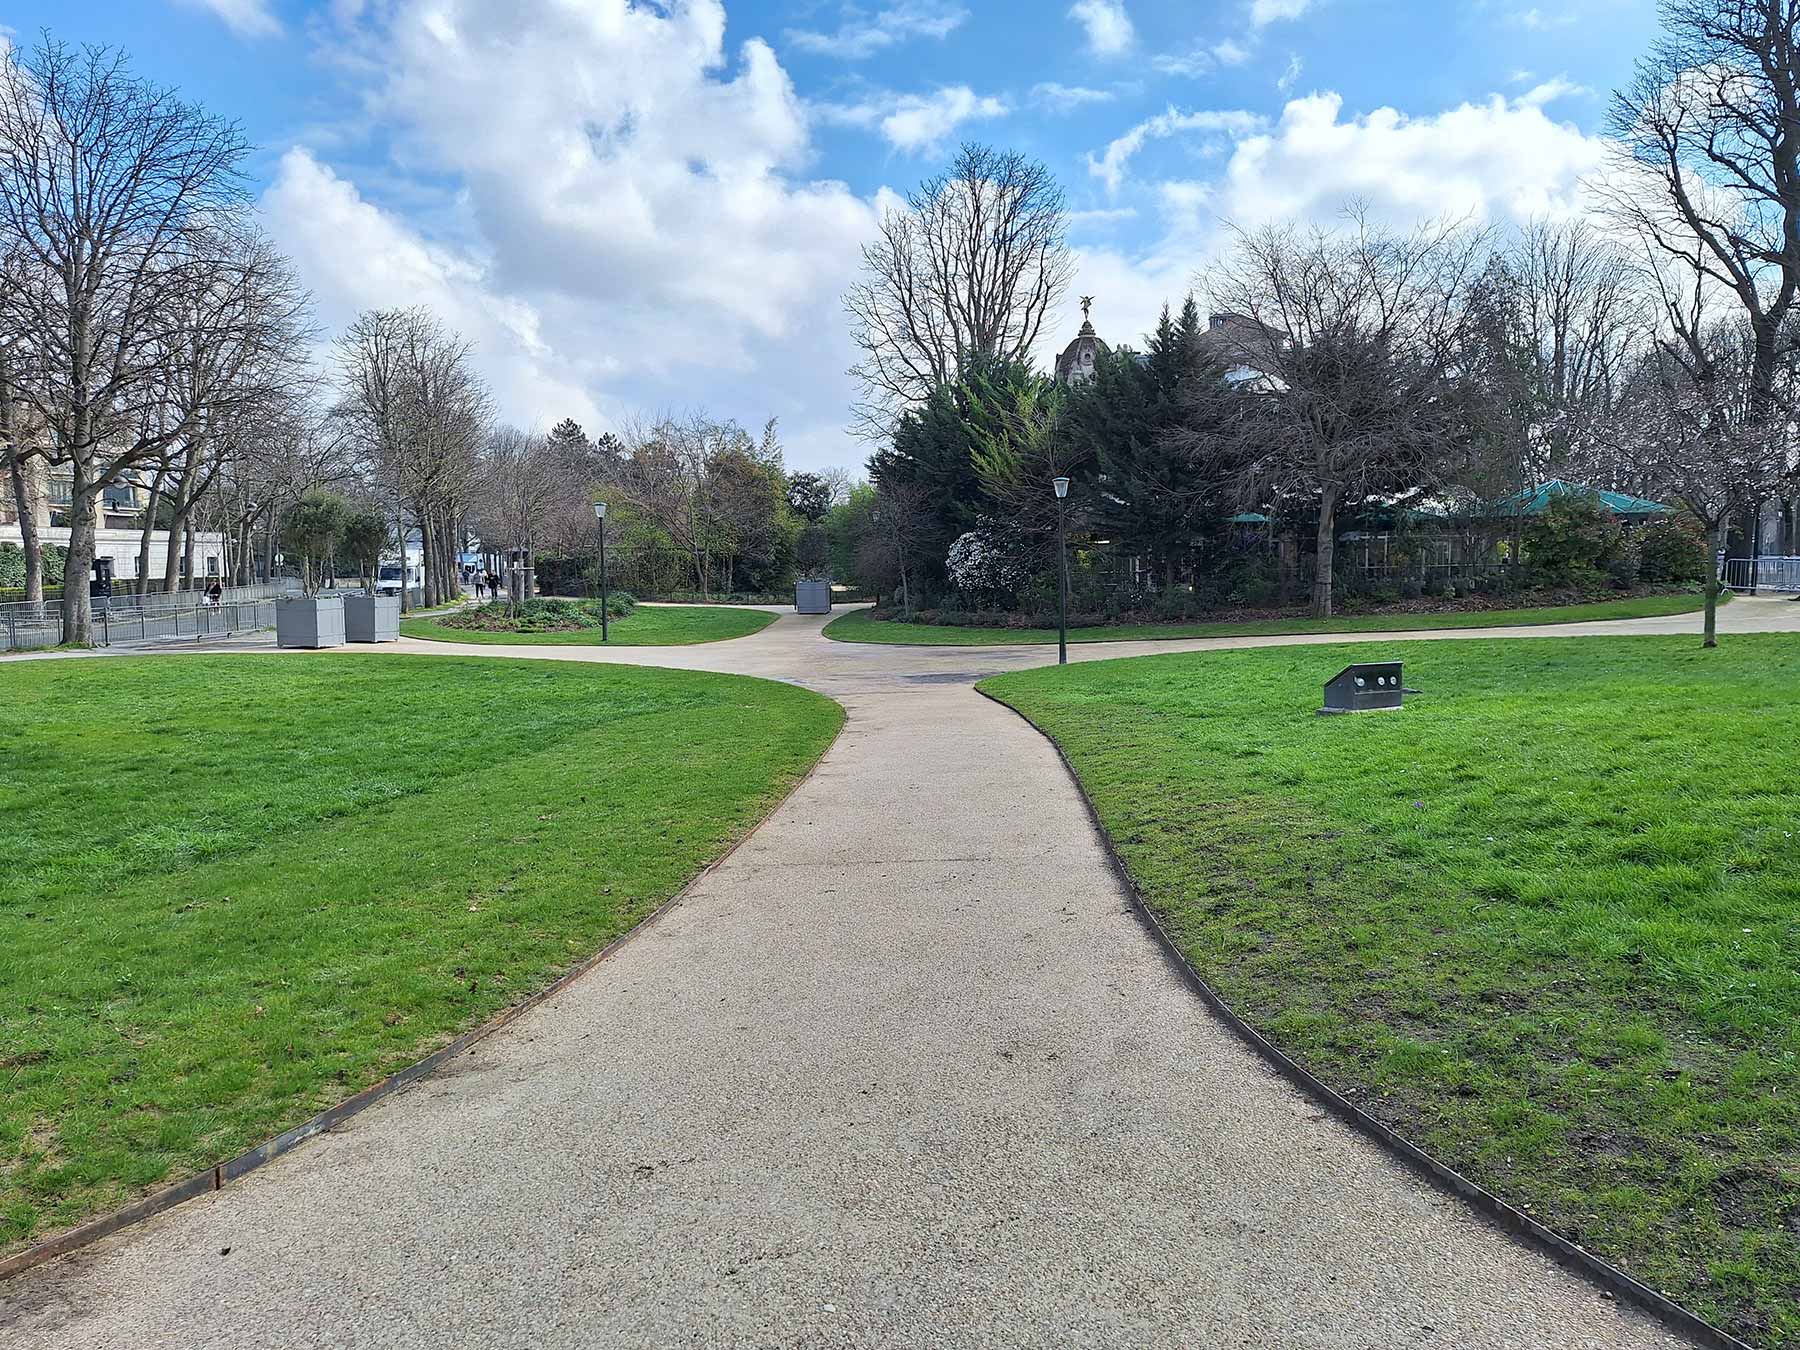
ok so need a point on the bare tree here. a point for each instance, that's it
(666, 473)
(1697, 419)
(235, 361)
(410, 401)
(1707, 160)
(1581, 321)
(108, 186)
(19, 448)
(899, 525)
(970, 266)
(1354, 331)
(521, 478)
(294, 451)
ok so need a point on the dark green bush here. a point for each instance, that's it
(1575, 543)
(1671, 549)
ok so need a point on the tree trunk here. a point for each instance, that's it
(182, 504)
(143, 564)
(452, 552)
(172, 555)
(77, 612)
(400, 536)
(1716, 541)
(188, 533)
(1326, 554)
(28, 535)
(427, 554)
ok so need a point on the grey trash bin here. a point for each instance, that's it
(812, 597)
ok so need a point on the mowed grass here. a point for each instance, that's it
(1545, 921)
(861, 626)
(236, 890)
(645, 626)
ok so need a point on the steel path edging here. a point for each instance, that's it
(1506, 1216)
(220, 1175)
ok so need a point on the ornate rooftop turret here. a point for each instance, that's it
(1076, 364)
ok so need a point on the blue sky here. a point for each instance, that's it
(641, 208)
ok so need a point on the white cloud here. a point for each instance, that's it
(1055, 98)
(1265, 12)
(1109, 27)
(1551, 90)
(1537, 21)
(355, 256)
(1111, 215)
(922, 122)
(1110, 166)
(1291, 75)
(862, 35)
(246, 18)
(916, 123)
(1497, 161)
(1190, 64)
(1199, 60)
(1494, 160)
(629, 221)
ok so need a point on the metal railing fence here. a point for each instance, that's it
(116, 624)
(1762, 574)
(25, 626)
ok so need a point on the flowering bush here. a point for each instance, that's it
(986, 569)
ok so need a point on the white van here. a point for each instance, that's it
(388, 578)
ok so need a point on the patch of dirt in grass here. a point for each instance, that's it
(43, 1140)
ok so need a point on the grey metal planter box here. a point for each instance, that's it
(309, 621)
(372, 618)
(812, 597)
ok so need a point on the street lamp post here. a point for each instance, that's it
(1061, 484)
(600, 515)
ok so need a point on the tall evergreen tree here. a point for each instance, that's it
(934, 450)
(1157, 500)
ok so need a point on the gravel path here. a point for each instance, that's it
(904, 1071)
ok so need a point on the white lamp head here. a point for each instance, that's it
(1061, 483)
(599, 510)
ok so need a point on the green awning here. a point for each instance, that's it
(1535, 501)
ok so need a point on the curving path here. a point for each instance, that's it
(905, 1070)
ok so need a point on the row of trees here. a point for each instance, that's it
(1650, 348)
(153, 341)
(145, 325)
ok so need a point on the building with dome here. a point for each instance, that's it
(1076, 364)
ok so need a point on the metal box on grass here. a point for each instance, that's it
(1374, 686)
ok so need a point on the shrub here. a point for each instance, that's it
(986, 568)
(12, 567)
(540, 615)
(1672, 549)
(1575, 543)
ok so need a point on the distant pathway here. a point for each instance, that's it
(905, 1071)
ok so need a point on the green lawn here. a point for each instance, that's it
(235, 890)
(1544, 921)
(645, 626)
(860, 626)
